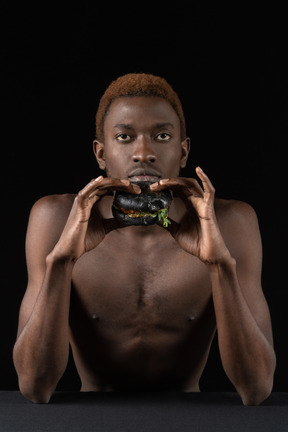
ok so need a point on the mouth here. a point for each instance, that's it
(142, 175)
(150, 179)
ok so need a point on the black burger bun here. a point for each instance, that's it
(147, 202)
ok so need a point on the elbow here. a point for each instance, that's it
(256, 393)
(260, 387)
(36, 386)
(255, 387)
(254, 398)
(37, 392)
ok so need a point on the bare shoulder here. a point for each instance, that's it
(238, 223)
(234, 212)
(53, 205)
(47, 219)
(51, 211)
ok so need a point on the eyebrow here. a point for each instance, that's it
(122, 126)
(163, 125)
(156, 125)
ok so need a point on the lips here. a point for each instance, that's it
(141, 174)
(143, 178)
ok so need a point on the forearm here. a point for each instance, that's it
(42, 348)
(247, 355)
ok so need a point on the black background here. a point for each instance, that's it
(229, 69)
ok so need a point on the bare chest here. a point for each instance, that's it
(161, 285)
(140, 313)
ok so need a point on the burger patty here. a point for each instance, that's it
(162, 214)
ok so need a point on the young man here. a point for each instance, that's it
(140, 305)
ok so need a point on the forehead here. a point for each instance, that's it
(140, 110)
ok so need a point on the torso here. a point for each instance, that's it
(141, 314)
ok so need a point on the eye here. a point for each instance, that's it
(124, 138)
(163, 137)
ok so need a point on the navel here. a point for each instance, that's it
(95, 317)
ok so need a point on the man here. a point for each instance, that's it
(140, 305)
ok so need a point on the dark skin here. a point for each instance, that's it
(140, 305)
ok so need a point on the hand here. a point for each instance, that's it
(85, 229)
(198, 233)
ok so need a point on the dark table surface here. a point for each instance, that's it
(118, 412)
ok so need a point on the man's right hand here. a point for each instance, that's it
(83, 232)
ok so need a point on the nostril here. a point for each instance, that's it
(144, 153)
(136, 159)
(144, 159)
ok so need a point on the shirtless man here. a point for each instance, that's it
(140, 305)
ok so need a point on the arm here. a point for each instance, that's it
(59, 232)
(234, 265)
(242, 315)
(41, 350)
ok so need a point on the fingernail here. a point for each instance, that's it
(154, 185)
(136, 188)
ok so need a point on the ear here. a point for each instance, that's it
(185, 145)
(98, 149)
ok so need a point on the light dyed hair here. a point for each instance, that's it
(138, 84)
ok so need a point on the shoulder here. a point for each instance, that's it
(233, 211)
(47, 220)
(48, 216)
(238, 223)
(53, 206)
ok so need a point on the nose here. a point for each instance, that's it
(144, 151)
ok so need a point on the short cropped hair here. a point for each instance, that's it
(138, 84)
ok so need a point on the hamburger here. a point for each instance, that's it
(144, 209)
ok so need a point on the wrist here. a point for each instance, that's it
(56, 258)
(227, 264)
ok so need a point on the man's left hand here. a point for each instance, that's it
(198, 232)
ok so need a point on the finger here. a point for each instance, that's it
(89, 188)
(105, 186)
(209, 189)
(93, 191)
(110, 184)
(186, 186)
